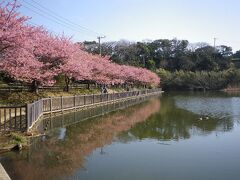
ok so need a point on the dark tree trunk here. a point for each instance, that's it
(35, 86)
(67, 81)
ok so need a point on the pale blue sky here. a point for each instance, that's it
(194, 20)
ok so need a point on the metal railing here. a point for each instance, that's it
(51, 122)
(24, 117)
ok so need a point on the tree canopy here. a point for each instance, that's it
(31, 54)
(168, 54)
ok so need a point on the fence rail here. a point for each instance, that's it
(13, 118)
(20, 88)
(24, 117)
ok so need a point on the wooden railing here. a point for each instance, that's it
(13, 118)
(24, 117)
(20, 88)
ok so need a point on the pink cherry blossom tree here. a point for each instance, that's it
(33, 55)
(16, 59)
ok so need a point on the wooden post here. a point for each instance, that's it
(93, 99)
(84, 99)
(20, 118)
(0, 119)
(27, 116)
(5, 119)
(10, 118)
(51, 104)
(74, 100)
(62, 103)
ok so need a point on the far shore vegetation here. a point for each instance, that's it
(180, 64)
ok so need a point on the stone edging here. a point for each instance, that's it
(3, 173)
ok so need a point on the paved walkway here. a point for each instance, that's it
(3, 173)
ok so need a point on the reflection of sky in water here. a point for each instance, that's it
(141, 142)
(236, 109)
(214, 107)
(62, 133)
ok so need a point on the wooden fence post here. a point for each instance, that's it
(74, 100)
(15, 118)
(62, 103)
(10, 118)
(5, 119)
(27, 117)
(84, 99)
(0, 119)
(51, 104)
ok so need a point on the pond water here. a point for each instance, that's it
(175, 136)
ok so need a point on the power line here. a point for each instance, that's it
(67, 20)
(57, 20)
(50, 19)
(35, 24)
(55, 17)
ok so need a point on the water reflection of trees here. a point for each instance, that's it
(54, 158)
(173, 123)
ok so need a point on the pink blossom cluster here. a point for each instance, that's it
(30, 53)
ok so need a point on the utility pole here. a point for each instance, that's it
(214, 43)
(99, 44)
(143, 58)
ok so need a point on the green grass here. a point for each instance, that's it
(10, 140)
(18, 98)
(17, 138)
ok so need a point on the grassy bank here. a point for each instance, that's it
(17, 98)
(9, 141)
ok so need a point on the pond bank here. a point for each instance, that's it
(232, 89)
(13, 141)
